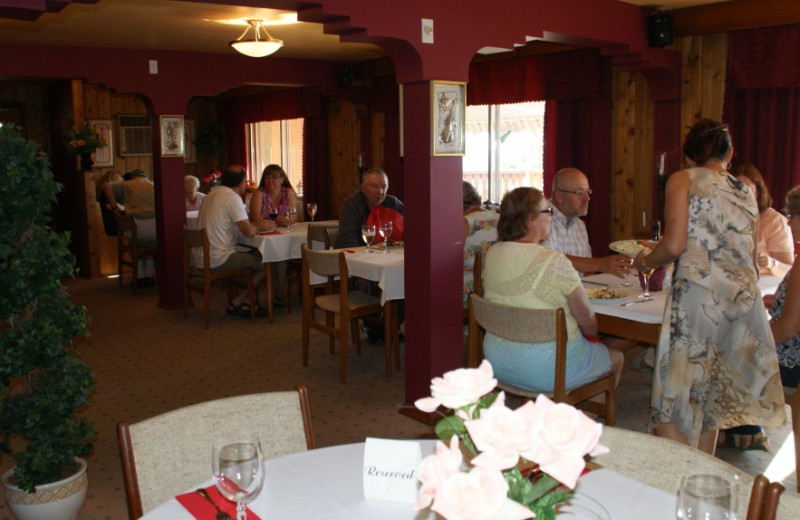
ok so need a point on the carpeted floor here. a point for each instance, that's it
(147, 360)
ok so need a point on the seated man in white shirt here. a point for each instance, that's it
(224, 217)
(570, 201)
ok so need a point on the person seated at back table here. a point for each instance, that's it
(521, 273)
(371, 203)
(372, 198)
(224, 217)
(193, 197)
(568, 235)
(480, 232)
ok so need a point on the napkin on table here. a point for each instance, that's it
(202, 509)
(656, 279)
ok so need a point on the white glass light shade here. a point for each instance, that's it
(259, 46)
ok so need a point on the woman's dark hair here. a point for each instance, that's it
(471, 197)
(233, 176)
(514, 210)
(793, 201)
(707, 139)
(763, 197)
(270, 170)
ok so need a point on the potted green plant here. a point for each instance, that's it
(42, 381)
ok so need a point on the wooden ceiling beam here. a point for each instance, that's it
(734, 15)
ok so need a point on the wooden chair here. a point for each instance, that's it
(792, 398)
(319, 232)
(128, 244)
(477, 279)
(533, 326)
(333, 234)
(199, 279)
(167, 454)
(348, 304)
(764, 498)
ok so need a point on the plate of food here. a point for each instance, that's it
(631, 248)
(606, 294)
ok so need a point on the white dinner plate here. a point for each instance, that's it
(583, 507)
(593, 292)
(631, 248)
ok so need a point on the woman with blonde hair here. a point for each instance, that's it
(193, 197)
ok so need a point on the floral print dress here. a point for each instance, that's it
(788, 350)
(716, 365)
(482, 234)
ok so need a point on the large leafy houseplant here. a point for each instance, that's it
(42, 381)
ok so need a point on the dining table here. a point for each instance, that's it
(632, 318)
(327, 483)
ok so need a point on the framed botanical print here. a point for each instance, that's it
(104, 157)
(171, 136)
(448, 109)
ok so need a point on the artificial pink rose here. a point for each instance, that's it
(478, 495)
(434, 470)
(459, 388)
(563, 436)
(501, 434)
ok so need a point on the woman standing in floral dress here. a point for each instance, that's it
(716, 365)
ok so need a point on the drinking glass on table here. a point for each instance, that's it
(311, 207)
(368, 234)
(291, 217)
(707, 497)
(238, 469)
(646, 285)
(273, 216)
(626, 281)
(386, 232)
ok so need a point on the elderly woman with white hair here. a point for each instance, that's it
(193, 197)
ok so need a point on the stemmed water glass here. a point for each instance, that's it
(626, 282)
(311, 207)
(646, 285)
(707, 497)
(368, 234)
(291, 216)
(386, 232)
(238, 469)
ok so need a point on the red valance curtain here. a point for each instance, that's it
(762, 104)
(235, 113)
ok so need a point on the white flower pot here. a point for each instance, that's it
(61, 500)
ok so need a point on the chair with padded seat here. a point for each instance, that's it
(534, 326)
(349, 304)
(165, 455)
(199, 278)
(792, 398)
(128, 244)
(319, 232)
(764, 498)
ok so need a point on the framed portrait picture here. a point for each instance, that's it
(171, 136)
(190, 154)
(448, 107)
(103, 157)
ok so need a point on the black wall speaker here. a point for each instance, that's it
(345, 76)
(659, 29)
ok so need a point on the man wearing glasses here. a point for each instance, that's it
(570, 201)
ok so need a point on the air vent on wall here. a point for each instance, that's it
(135, 135)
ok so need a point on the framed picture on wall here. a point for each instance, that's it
(448, 113)
(103, 157)
(171, 136)
(190, 153)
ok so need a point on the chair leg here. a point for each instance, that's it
(356, 335)
(306, 334)
(270, 291)
(251, 297)
(329, 317)
(344, 331)
(388, 336)
(796, 429)
(610, 405)
(206, 302)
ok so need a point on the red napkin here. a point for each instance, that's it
(269, 232)
(656, 279)
(202, 509)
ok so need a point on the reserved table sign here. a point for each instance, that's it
(390, 470)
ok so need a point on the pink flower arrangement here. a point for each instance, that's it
(212, 179)
(554, 436)
(85, 139)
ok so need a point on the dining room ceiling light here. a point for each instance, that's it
(260, 45)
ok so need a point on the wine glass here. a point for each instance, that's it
(238, 469)
(386, 232)
(368, 234)
(707, 497)
(646, 285)
(311, 207)
(626, 281)
(291, 216)
(273, 215)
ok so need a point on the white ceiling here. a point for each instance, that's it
(179, 25)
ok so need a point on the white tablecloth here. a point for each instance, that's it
(326, 484)
(385, 268)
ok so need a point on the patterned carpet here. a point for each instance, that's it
(147, 360)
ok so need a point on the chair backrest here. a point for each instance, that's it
(477, 273)
(126, 232)
(515, 324)
(192, 239)
(167, 454)
(318, 232)
(321, 263)
(333, 234)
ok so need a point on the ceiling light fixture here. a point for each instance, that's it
(259, 46)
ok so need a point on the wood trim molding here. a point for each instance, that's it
(734, 15)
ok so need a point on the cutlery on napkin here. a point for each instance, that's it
(595, 283)
(202, 509)
(276, 232)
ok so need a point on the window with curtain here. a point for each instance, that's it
(276, 142)
(504, 148)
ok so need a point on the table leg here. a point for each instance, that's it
(270, 291)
